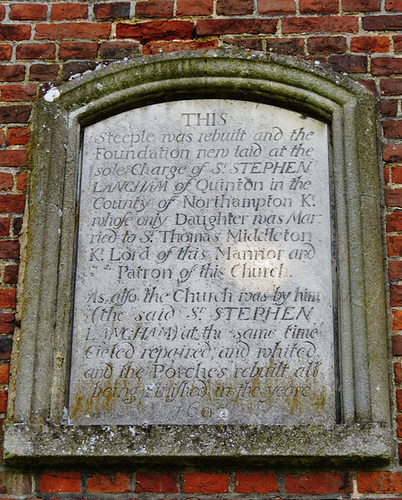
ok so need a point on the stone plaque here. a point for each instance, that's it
(204, 281)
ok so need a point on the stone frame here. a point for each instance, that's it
(37, 425)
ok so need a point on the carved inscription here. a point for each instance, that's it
(203, 289)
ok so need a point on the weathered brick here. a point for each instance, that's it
(395, 274)
(205, 483)
(36, 51)
(43, 72)
(397, 345)
(395, 295)
(27, 12)
(17, 226)
(394, 244)
(77, 67)
(154, 8)
(318, 483)
(348, 63)
(394, 221)
(2, 12)
(393, 197)
(291, 46)
(319, 6)
(380, 482)
(18, 136)
(2, 137)
(246, 43)
(158, 47)
(392, 129)
(3, 401)
(119, 49)
(14, 114)
(11, 274)
(4, 374)
(156, 30)
(361, 5)
(22, 181)
(391, 86)
(6, 344)
(4, 231)
(370, 44)
(320, 25)
(109, 483)
(369, 84)
(78, 50)
(7, 301)
(113, 10)
(5, 51)
(147, 482)
(235, 26)
(9, 249)
(386, 65)
(12, 72)
(68, 11)
(13, 157)
(393, 5)
(397, 174)
(256, 482)
(16, 93)
(12, 203)
(326, 44)
(389, 107)
(6, 181)
(268, 7)
(234, 7)
(382, 23)
(74, 31)
(15, 32)
(57, 482)
(194, 7)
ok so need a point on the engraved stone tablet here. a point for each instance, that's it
(204, 281)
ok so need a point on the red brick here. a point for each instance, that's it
(194, 7)
(256, 483)
(392, 129)
(8, 298)
(235, 26)
(156, 30)
(63, 31)
(326, 44)
(109, 483)
(14, 114)
(6, 321)
(13, 157)
(5, 51)
(12, 72)
(6, 181)
(3, 401)
(4, 374)
(395, 271)
(27, 12)
(393, 153)
(114, 10)
(396, 314)
(15, 32)
(22, 181)
(391, 86)
(361, 5)
(320, 25)
(395, 292)
(369, 44)
(318, 483)
(348, 63)
(266, 7)
(17, 226)
(17, 93)
(393, 5)
(397, 345)
(289, 46)
(36, 51)
(394, 244)
(4, 231)
(369, 85)
(397, 43)
(397, 175)
(9, 250)
(385, 171)
(43, 72)
(147, 482)
(386, 65)
(382, 483)
(389, 107)
(2, 137)
(18, 136)
(382, 23)
(154, 8)
(398, 380)
(234, 7)
(319, 6)
(77, 67)
(205, 483)
(11, 275)
(12, 203)
(79, 50)
(119, 49)
(394, 221)
(68, 11)
(2, 12)
(57, 482)
(158, 47)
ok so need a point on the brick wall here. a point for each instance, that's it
(45, 43)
